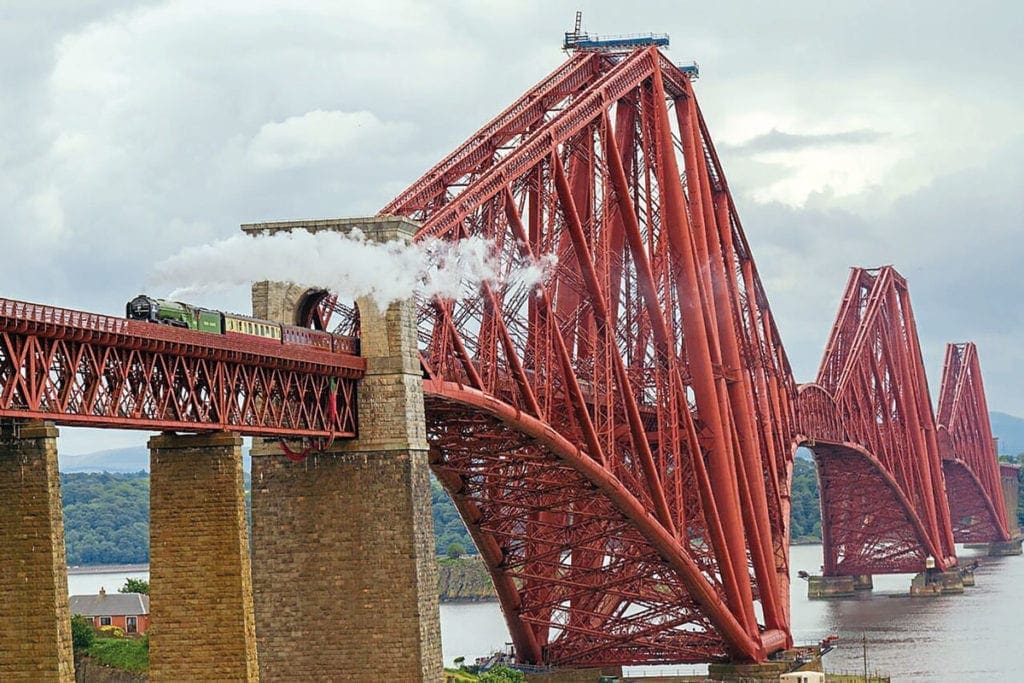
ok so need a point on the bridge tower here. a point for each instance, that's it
(344, 568)
(975, 484)
(869, 422)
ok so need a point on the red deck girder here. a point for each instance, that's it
(84, 369)
(969, 454)
(874, 371)
(617, 439)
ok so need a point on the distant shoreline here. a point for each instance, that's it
(109, 569)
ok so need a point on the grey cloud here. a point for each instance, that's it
(956, 240)
(780, 141)
(167, 166)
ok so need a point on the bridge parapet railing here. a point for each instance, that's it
(65, 317)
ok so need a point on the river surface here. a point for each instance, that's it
(969, 637)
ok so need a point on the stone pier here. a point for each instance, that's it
(819, 587)
(807, 659)
(35, 621)
(1003, 548)
(930, 583)
(344, 569)
(202, 626)
(863, 582)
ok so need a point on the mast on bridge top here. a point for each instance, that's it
(581, 41)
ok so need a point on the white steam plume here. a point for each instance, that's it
(349, 265)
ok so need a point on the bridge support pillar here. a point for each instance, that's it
(344, 567)
(35, 640)
(863, 582)
(200, 579)
(1005, 548)
(832, 586)
(768, 671)
(930, 583)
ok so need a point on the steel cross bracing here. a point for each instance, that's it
(969, 458)
(618, 439)
(84, 369)
(883, 498)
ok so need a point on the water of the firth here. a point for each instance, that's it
(970, 637)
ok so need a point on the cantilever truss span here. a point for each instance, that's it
(884, 507)
(969, 458)
(618, 437)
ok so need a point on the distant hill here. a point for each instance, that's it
(131, 459)
(1010, 432)
(118, 460)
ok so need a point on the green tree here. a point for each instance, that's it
(82, 632)
(134, 586)
(106, 517)
(455, 550)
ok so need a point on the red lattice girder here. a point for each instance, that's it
(969, 458)
(649, 361)
(868, 524)
(874, 370)
(83, 369)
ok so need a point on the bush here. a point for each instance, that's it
(82, 633)
(111, 632)
(455, 550)
(502, 674)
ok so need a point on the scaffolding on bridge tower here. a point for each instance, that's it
(617, 438)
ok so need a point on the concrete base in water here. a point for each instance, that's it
(819, 587)
(1003, 549)
(798, 659)
(931, 583)
(863, 582)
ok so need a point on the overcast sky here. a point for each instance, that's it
(854, 133)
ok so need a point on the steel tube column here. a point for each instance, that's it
(710, 402)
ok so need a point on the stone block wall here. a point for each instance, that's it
(345, 577)
(202, 625)
(35, 620)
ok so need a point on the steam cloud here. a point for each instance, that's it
(349, 265)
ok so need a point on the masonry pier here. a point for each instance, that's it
(35, 642)
(202, 624)
(1000, 548)
(837, 586)
(344, 570)
(803, 659)
(932, 582)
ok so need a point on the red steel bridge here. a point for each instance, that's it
(619, 439)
